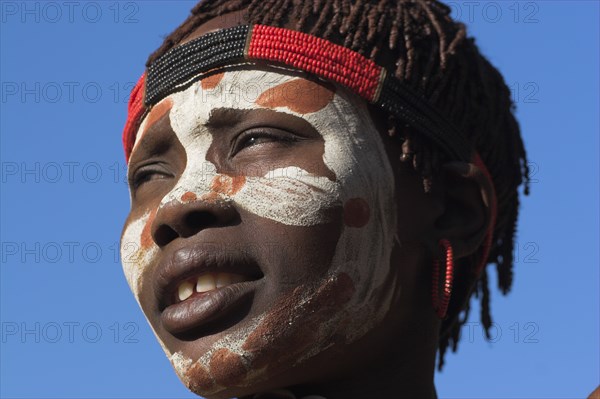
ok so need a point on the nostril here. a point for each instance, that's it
(191, 223)
(200, 220)
(176, 220)
(164, 234)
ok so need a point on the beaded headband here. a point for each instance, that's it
(187, 63)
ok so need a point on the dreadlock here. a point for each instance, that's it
(422, 46)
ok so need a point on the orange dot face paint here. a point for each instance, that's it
(188, 197)
(316, 216)
(356, 212)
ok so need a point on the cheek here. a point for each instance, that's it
(360, 162)
(356, 212)
(146, 240)
(137, 250)
(290, 332)
(297, 321)
(290, 196)
(226, 185)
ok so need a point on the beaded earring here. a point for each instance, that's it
(441, 305)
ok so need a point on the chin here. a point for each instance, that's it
(260, 352)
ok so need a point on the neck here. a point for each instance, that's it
(396, 381)
(392, 378)
(396, 360)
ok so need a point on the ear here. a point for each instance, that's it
(466, 193)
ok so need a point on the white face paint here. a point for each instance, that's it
(133, 255)
(292, 196)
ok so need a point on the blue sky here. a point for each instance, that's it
(70, 326)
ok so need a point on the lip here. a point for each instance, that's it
(204, 308)
(207, 307)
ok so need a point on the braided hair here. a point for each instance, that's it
(422, 46)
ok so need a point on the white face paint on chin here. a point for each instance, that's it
(292, 196)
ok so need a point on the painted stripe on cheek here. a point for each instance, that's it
(294, 322)
(227, 368)
(290, 196)
(227, 185)
(146, 239)
(299, 95)
(199, 378)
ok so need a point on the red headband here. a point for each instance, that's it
(185, 64)
(135, 110)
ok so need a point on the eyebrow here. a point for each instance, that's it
(225, 119)
(220, 118)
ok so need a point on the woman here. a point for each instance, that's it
(316, 188)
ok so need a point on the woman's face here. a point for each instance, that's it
(261, 226)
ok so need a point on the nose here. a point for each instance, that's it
(181, 220)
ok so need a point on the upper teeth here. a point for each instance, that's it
(207, 282)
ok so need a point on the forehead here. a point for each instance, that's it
(255, 87)
(246, 89)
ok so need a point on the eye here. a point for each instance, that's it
(147, 173)
(254, 138)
